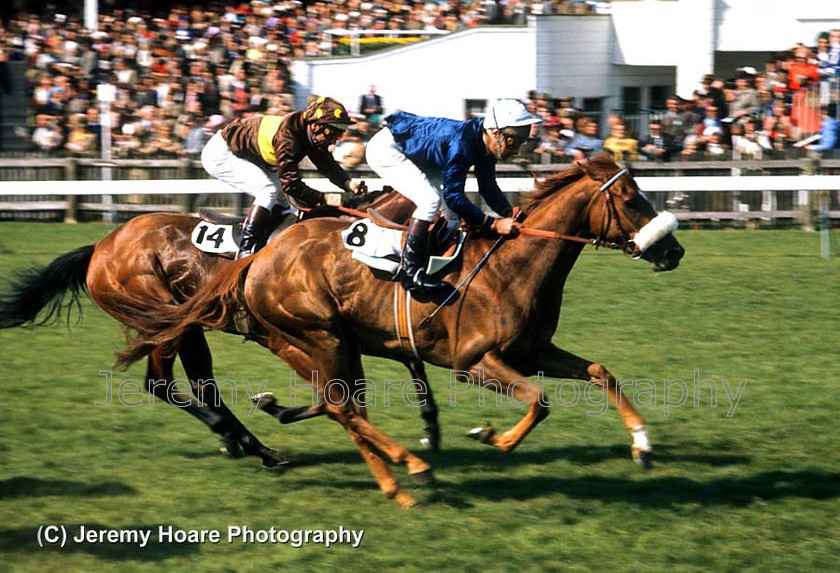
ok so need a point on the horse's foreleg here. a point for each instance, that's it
(198, 364)
(428, 408)
(505, 379)
(557, 363)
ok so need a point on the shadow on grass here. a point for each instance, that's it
(664, 491)
(18, 487)
(25, 540)
(582, 455)
(656, 492)
(465, 457)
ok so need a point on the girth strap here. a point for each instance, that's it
(402, 319)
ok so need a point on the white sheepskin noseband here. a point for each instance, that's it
(658, 227)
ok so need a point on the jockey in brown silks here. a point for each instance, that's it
(427, 159)
(259, 155)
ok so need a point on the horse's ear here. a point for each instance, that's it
(600, 167)
(583, 164)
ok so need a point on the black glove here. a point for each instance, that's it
(311, 198)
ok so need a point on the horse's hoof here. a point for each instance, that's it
(405, 500)
(424, 478)
(482, 433)
(643, 457)
(263, 400)
(230, 445)
(275, 461)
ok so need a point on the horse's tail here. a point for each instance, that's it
(213, 307)
(32, 290)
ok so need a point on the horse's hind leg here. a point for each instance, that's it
(428, 408)
(333, 364)
(557, 363)
(159, 382)
(388, 482)
(198, 364)
(266, 402)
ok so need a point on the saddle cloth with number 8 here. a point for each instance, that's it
(380, 248)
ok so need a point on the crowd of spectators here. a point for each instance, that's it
(177, 76)
(786, 110)
(180, 76)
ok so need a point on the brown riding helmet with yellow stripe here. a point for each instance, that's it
(327, 112)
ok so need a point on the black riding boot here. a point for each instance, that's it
(254, 231)
(415, 257)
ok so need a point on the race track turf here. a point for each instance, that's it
(755, 490)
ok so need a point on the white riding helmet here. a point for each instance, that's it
(504, 113)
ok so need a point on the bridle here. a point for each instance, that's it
(610, 211)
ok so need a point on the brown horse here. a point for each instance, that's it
(148, 262)
(321, 318)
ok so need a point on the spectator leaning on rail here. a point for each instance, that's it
(245, 153)
(424, 157)
(829, 130)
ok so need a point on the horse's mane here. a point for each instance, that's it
(546, 187)
(600, 168)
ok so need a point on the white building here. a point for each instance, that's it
(627, 60)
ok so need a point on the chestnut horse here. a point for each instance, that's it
(321, 318)
(148, 262)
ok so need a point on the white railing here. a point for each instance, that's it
(671, 193)
(507, 184)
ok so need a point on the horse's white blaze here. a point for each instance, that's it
(658, 227)
(640, 439)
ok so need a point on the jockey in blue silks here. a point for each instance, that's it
(427, 158)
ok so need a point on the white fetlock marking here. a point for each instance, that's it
(263, 398)
(476, 431)
(640, 439)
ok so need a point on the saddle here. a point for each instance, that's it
(442, 236)
(377, 242)
(219, 218)
(220, 233)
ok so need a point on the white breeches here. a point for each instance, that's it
(402, 174)
(241, 174)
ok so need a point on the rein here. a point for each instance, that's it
(575, 238)
(341, 208)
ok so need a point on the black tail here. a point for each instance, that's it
(39, 288)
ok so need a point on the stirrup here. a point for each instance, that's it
(422, 283)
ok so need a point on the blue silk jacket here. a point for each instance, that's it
(448, 148)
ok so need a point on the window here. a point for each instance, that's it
(658, 95)
(593, 106)
(474, 108)
(631, 100)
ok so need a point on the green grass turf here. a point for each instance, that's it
(757, 490)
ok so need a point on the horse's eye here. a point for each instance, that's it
(635, 202)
